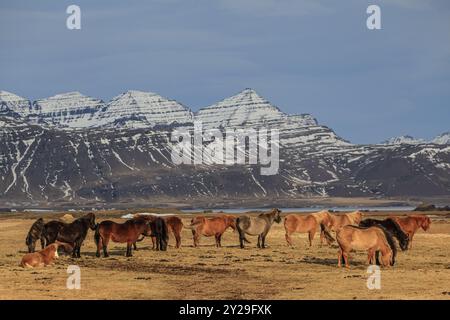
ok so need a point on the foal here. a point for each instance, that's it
(42, 258)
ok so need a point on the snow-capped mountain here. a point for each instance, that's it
(67, 110)
(442, 138)
(404, 140)
(137, 109)
(120, 151)
(14, 105)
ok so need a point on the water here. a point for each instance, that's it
(309, 209)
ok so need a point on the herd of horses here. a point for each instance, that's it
(351, 233)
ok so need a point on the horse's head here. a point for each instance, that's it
(358, 217)
(387, 259)
(90, 217)
(231, 222)
(276, 212)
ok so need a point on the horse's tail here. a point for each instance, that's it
(391, 242)
(240, 231)
(164, 232)
(326, 233)
(97, 234)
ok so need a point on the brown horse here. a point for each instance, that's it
(44, 257)
(410, 224)
(371, 239)
(308, 224)
(208, 227)
(127, 232)
(174, 225)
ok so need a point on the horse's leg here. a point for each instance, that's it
(311, 234)
(105, 243)
(99, 247)
(263, 240)
(288, 238)
(410, 240)
(259, 241)
(220, 240)
(196, 238)
(129, 254)
(345, 255)
(134, 246)
(177, 238)
(241, 239)
(340, 257)
(42, 242)
(370, 254)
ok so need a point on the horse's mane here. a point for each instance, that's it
(390, 241)
(353, 215)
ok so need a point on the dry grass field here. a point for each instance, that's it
(277, 272)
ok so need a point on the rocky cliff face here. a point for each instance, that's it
(74, 149)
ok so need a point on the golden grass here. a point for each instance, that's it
(277, 272)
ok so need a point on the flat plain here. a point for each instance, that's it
(207, 272)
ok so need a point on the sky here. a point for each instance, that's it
(304, 56)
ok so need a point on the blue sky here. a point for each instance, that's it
(305, 56)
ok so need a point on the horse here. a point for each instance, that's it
(35, 233)
(372, 239)
(410, 224)
(160, 233)
(128, 232)
(174, 226)
(340, 220)
(259, 225)
(392, 226)
(215, 226)
(51, 230)
(42, 258)
(308, 224)
(76, 231)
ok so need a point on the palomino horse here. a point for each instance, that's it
(410, 224)
(128, 232)
(35, 234)
(390, 225)
(74, 233)
(208, 227)
(371, 239)
(44, 257)
(174, 226)
(257, 226)
(308, 224)
(340, 220)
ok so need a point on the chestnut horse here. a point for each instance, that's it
(410, 224)
(257, 226)
(44, 257)
(308, 224)
(174, 226)
(371, 239)
(208, 227)
(128, 232)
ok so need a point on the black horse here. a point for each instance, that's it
(51, 230)
(160, 232)
(392, 227)
(75, 232)
(35, 234)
